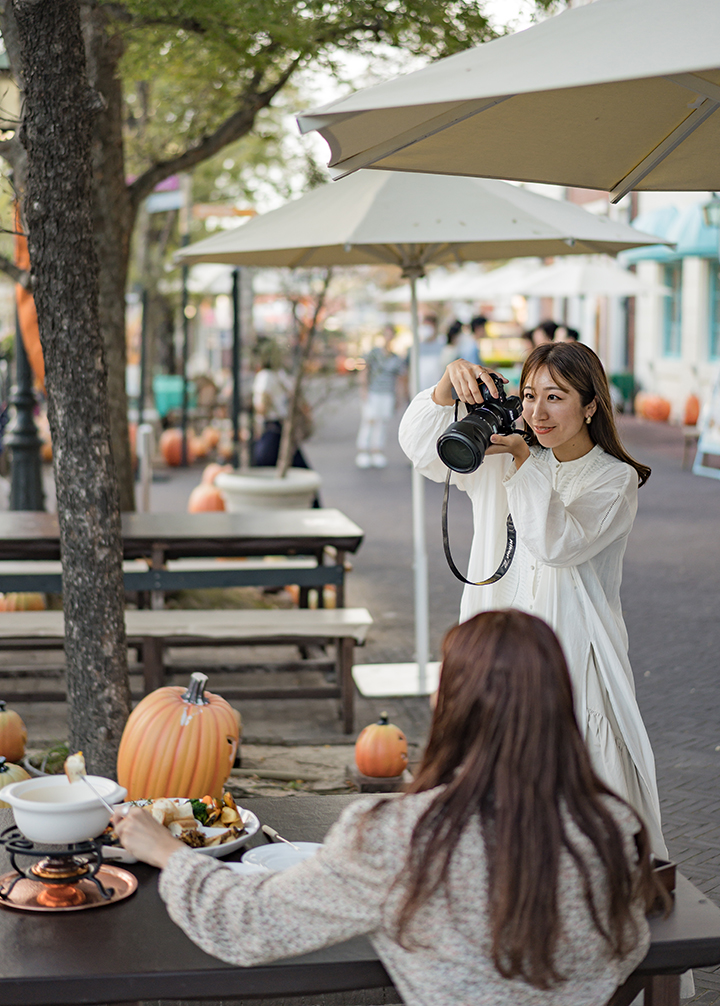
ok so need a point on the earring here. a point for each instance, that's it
(588, 419)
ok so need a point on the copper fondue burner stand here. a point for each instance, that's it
(61, 879)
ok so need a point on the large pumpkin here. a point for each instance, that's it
(13, 734)
(381, 750)
(178, 742)
(10, 773)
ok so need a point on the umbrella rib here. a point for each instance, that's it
(426, 129)
(664, 148)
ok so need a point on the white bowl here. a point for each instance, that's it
(53, 811)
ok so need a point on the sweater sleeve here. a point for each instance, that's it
(560, 535)
(256, 919)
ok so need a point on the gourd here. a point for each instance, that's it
(381, 750)
(178, 742)
(22, 601)
(205, 497)
(171, 447)
(10, 773)
(13, 734)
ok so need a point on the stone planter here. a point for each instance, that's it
(261, 489)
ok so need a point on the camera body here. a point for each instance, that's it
(463, 444)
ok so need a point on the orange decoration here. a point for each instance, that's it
(171, 447)
(381, 750)
(22, 602)
(178, 742)
(211, 436)
(13, 734)
(654, 407)
(205, 497)
(692, 411)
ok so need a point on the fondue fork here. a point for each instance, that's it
(273, 836)
(102, 799)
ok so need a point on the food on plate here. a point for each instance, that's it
(75, 766)
(185, 819)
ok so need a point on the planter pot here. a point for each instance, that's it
(261, 489)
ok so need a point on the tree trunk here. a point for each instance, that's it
(114, 219)
(57, 127)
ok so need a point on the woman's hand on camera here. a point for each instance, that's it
(514, 444)
(463, 377)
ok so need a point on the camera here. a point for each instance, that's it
(463, 444)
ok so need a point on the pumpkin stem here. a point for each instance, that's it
(3, 764)
(3, 703)
(383, 721)
(196, 689)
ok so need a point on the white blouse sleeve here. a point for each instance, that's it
(560, 535)
(420, 427)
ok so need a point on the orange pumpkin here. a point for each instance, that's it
(381, 750)
(212, 470)
(211, 436)
(199, 447)
(205, 497)
(171, 447)
(692, 411)
(13, 734)
(178, 742)
(656, 408)
(22, 601)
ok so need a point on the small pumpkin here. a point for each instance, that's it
(13, 734)
(171, 447)
(655, 408)
(22, 601)
(692, 411)
(205, 497)
(211, 471)
(381, 750)
(178, 742)
(10, 773)
(211, 436)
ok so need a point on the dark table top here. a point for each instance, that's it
(29, 535)
(132, 951)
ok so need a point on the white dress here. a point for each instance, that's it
(572, 519)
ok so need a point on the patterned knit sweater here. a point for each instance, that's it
(347, 890)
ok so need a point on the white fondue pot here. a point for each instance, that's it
(53, 811)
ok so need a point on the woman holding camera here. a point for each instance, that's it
(572, 494)
(506, 874)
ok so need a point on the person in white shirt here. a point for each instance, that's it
(572, 495)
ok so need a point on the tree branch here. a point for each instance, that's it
(17, 275)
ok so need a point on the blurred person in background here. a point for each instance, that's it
(381, 384)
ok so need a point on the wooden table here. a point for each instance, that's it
(131, 951)
(162, 537)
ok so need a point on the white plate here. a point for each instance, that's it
(278, 856)
(249, 819)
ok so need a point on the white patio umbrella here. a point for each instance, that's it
(613, 95)
(465, 286)
(584, 279)
(411, 221)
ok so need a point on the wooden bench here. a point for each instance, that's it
(152, 631)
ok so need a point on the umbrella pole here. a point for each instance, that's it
(422, 603)
(236, 368)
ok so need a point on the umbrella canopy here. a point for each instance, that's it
(463, 285)
(411, 221)
(585, 279)
(378, 217)
(613, 95)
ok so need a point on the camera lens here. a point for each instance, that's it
(462, 446)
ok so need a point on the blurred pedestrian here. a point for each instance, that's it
(380, 388)
(565, 334)
(271, 398)
(451, 350)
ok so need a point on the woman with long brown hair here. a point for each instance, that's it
(572, 495)
(507, 874)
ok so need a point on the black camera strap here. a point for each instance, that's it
(507, 555)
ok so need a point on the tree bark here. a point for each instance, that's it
(59, 110)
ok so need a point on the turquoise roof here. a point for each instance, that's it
(686, 229)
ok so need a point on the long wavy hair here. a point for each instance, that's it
(574, 365)
(504, 745)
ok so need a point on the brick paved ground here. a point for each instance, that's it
(670, 596)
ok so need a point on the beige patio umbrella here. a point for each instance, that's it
(380, 217)
(583, 279)
(613, 95)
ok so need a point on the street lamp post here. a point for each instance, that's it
(26, 489)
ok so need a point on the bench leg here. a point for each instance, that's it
(663, 990)
(345, 651)
(153, 668)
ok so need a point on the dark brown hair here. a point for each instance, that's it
(576, 366)
(504, 745)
